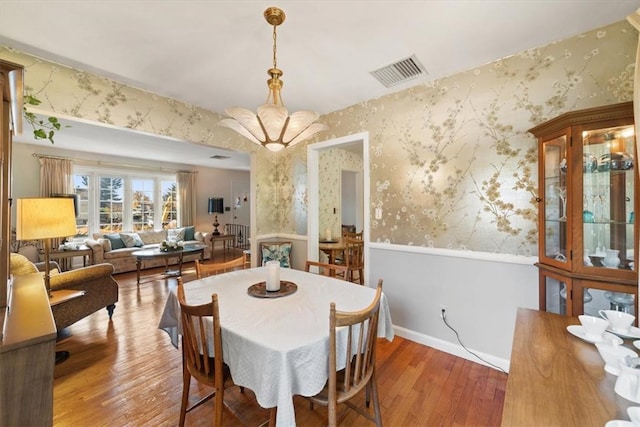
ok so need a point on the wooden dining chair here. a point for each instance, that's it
(213, 268)
(331, 270)
(359, 373)
(353, 234)
(202, 354)
(354, 260)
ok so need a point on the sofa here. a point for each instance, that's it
(101, 290)
(117, 248)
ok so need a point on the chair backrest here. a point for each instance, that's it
(276, 251)
(359, 352)
(201, 350)
(353, 234)
(331, 270)
(354, 253)
(349, 228)
(213, 268)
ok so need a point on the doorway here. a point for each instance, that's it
(358, 142)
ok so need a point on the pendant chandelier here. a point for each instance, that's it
(272, 126)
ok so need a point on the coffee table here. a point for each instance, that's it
(157, 253)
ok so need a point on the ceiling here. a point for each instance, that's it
(215, 54)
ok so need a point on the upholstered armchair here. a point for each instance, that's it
(96, 280)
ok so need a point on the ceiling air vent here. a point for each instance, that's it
(400, 71)
(219, 157)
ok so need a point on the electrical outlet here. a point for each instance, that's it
(443, 311)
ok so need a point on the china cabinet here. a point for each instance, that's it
(587, 194)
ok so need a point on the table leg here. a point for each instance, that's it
(138, 264)
(180, 264)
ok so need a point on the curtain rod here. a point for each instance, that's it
(101, 163)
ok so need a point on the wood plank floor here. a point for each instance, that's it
(127, 373)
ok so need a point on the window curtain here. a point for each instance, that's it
(56, 176)
(186, 192)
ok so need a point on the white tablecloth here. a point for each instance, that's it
(277, 347)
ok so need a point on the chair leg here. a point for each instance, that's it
(186, 382)
(374, 396)
(110, 309)
(219, 401)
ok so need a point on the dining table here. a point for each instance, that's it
(333, 248)
(277, 345)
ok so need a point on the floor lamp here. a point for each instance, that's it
(45, 219)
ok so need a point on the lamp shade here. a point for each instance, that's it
(45, 218)
(215, 205)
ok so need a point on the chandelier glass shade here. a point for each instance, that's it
(272, 126)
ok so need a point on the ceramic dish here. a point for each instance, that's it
(578, 331)
(619, 423)
(633, 332)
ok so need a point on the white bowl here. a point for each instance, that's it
(613, 354)
(634, 414)
(593, 326)
(618, 320)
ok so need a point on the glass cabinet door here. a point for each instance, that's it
(608, 194)
(599, 299)
(556, 292)
(555, 168)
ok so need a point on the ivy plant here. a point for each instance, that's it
(42, 129)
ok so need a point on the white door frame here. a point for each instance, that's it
(313, 170)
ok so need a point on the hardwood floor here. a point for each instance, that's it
(127, 373)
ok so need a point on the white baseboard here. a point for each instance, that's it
(454, 349)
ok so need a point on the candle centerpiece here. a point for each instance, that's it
(273, 276)
(327, 235)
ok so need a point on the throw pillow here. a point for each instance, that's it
(106, 244)
(131, 240)
(277, 252)
(153, 237)
(176, 234)
(190, 233)
(115, 240)
(20, 265)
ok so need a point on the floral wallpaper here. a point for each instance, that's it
(452, 163)
(75, 94)
(331, 163)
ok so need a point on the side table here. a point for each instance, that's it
(67, 255)
(60, 297)
(226, 239)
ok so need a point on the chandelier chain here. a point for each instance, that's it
(275, 62)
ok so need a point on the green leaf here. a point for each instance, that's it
(39, 134)
(53, 120)
(32, 100)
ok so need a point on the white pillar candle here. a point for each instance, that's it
(327, 234)
(273, 276)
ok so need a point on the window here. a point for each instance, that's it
(81, 190)
(169, 205)
(142, 204)
(112, 201)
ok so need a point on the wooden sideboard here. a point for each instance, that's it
(557, 379)
(27, 355)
